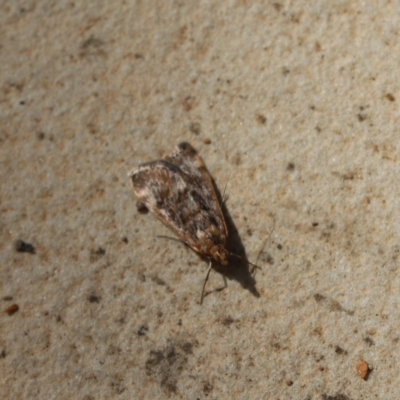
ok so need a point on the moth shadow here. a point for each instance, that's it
(239, 268)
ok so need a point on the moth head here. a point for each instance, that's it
(186, 148)
(220, 254)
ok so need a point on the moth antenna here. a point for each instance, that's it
(205, 281)
(244, 259)
(265, 242)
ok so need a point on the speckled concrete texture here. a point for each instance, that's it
(293, 105)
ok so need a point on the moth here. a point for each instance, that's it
(180, 192)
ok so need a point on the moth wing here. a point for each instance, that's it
(188, 160)
(180, 192)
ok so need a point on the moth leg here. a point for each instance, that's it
(225, 282)
(224, 199)
(246, 261)
(205, 281)
(171, 238)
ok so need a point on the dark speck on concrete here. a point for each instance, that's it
(24, 247)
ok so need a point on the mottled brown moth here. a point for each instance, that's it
(180, 191)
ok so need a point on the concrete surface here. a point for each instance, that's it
(294, 105)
